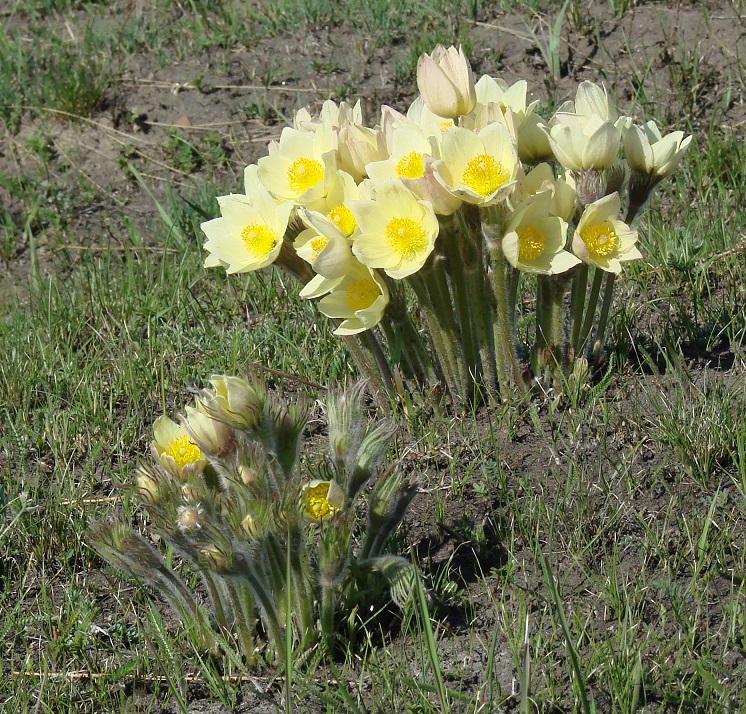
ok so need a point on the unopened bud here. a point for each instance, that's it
(191, 493)
(215, 559)
(189, 518)
(212, 436)
(232, 401)
(147, 487)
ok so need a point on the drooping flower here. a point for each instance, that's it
(534, 240)
(175, 449)
(397, 230)
(322, 499)
(248, 235)
(601, 239)
(358, 299)
(478, 168)
(446, 82)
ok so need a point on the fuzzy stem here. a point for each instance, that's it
(590, 310)
(455, 267)
(577, 303)
(327, 617)
(508, 371)
(598, 343)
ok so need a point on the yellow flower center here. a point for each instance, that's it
(484, 174)
(405, 237)
(317, 504)
(361, 294)
(304, 174)
(183, 451)
(530, 243)
(317, 245)
(601, 239)
(342, 217)
(444, 125)
(258, 239)
(411, 166)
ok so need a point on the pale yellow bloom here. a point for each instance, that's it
(478, 168)
(323, 245)
(588, 144)
(175, 449)
(232, 401)
(649, 152)
(534, 241)
(533, 141)
(358, 299)
(248, 235)
(601, 239)
(446, 82)
(211, 436)
(397, 230)
(409, 147)
(358, 147)
(426, 121)
(541, 178)
(298, 172)
(322, 499)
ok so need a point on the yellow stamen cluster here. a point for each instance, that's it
(342, 217)
(361, 294)
(183, 451)
(304, 174)
(258, 239)
(530, 243)
(601, 239)
(318, 244)
(484, 174)
(317, 504)
(406, 237)
(411, 166)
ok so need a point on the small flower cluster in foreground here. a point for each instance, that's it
(227, 493)
(457, 198)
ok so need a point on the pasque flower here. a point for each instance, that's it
(647, 151)
(601, 239)
(445, 81)
(248, 235)
(175, 450)
(397, 230)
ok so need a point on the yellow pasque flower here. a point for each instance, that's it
(409, 146)
(298, 170)
(358, 299)
(322, 499)
(248, 235)
(446, 82)
(419, 115)
(498, 101)
(601, 239)
(647, 151)
(534, 241)
(533, 141)
(175, 450)
(585, 143)
(397, 230)
(331, 114)
(232, 401)
(478, 168)
(212, 436)
(541, 178)
(323, 245)
(358, 146)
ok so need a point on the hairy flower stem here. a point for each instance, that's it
(508, 372)
(443, 339)
(455, 269)
(577, 303)
(603, 317)
(327, 616)
(243, 618)
(550, 332)
(590, 310)
(367, 363)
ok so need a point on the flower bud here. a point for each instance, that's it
(233, 402)
(148, 488)
(446, 83)
(189, 518)
(213, 437)
(216, 558)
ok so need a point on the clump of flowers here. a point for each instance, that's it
(452, 205)
(271, 541)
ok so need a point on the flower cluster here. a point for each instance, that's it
(227, 493)
(455, 199)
